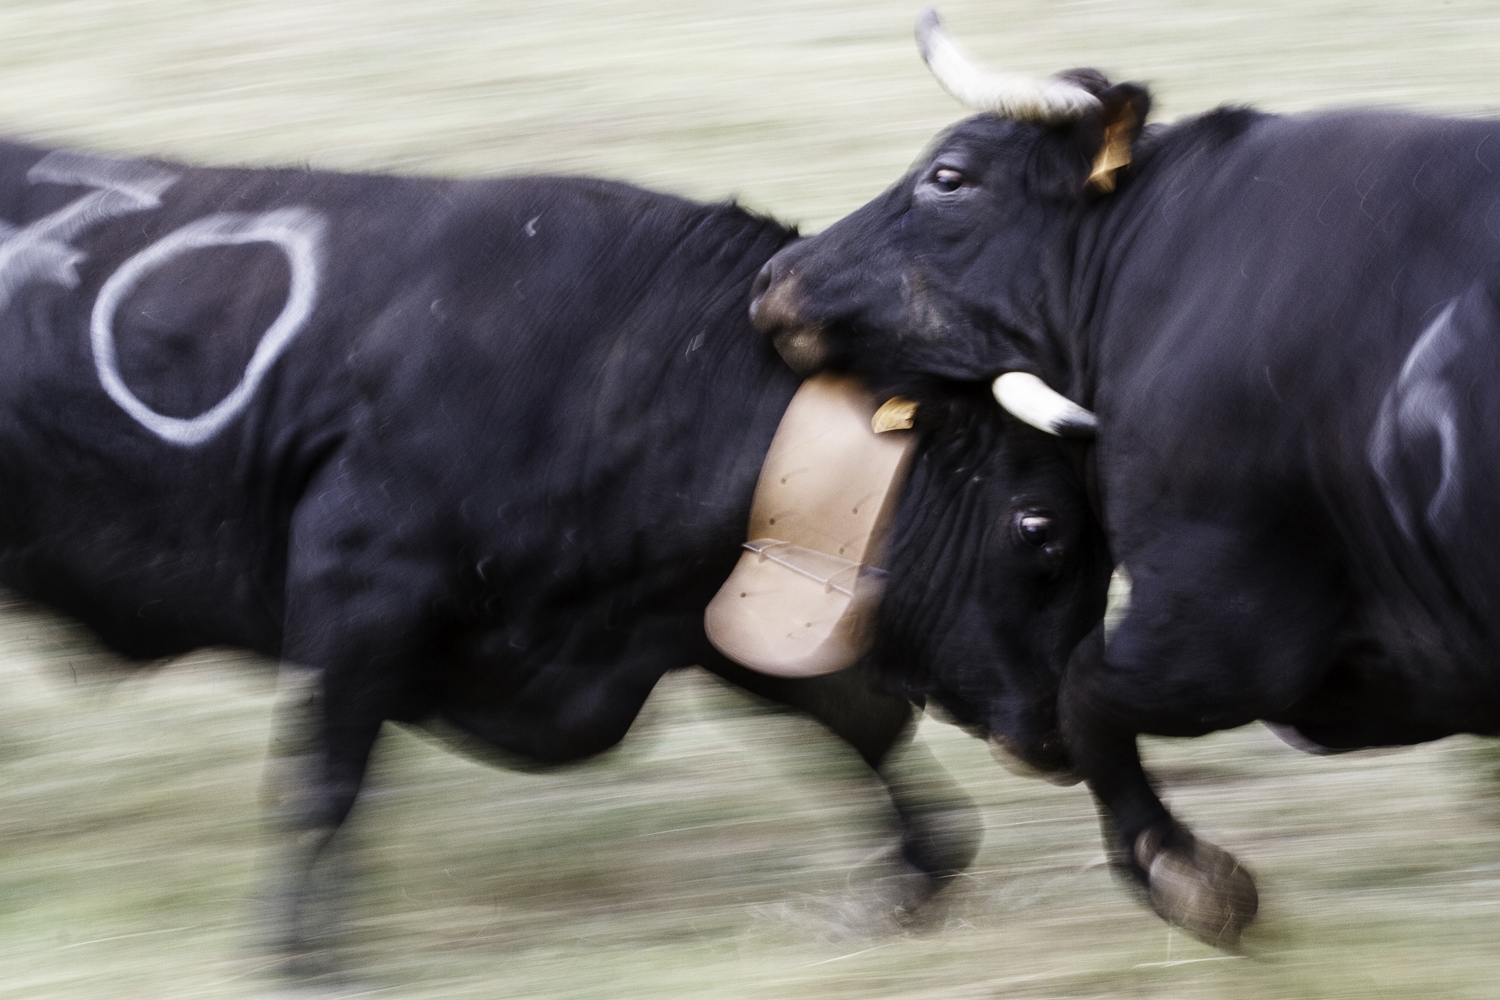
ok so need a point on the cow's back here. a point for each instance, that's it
(191, 350)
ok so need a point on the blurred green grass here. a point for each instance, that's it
(723, 851)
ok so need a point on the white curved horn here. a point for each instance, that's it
(1029, 399)
(1047, 100)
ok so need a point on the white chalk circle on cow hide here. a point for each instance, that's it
(297, 232)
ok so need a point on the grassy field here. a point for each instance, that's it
(723, 851)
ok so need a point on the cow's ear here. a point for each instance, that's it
(1087, 155)
(1122, 116)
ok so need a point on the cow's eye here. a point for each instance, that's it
(1034, 529)
(948, 180)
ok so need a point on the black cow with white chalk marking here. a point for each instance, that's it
(479, 452)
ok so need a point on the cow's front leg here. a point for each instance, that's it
(1222, 629)
(322, 750)
(940, 826)
(1188, 881)
(358, 620)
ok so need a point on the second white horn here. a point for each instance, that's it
(1032, 401)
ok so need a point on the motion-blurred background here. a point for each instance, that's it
(723, 851)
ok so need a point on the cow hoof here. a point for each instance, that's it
(1196, 886)
(936, 846)
(941, 843)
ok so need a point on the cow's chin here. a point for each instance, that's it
(1046, 758)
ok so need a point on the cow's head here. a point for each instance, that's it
(950, 286)
(998, 568)
(960, 270)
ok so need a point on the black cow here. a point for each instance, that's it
(480, 452)
(1287, 329)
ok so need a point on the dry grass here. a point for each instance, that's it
(723, 851)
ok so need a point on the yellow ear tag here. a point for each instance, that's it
(1113, 154)
(896, 414)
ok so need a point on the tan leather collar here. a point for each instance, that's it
(803, 597)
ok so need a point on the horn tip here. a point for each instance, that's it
(1027, 398)
(928, 22)
(1081, 428)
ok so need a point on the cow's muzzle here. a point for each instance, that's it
(777, 308)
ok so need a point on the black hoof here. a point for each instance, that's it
(941, 843)
(1196, 886)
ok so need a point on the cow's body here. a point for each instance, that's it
(455, 330)
(1310, 377)
(459, 328)
(477, 451)
(1288, 330)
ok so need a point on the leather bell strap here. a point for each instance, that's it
(803, 597)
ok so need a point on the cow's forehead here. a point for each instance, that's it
(981, 133)
(984, 443)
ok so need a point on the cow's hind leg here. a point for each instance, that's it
(940, 825)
